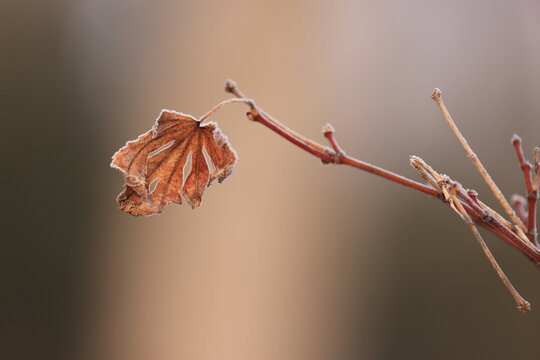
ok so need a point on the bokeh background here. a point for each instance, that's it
(287, 259)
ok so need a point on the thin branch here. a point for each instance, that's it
(522, 304)
(532, 197)
(502, 229)
(347, 160)
(532, 194)
(491, 222)
(504, 233)
(330, 157)
(525, 247)
(485, 212)
(525, 165)
(531, 231)
(483, 215)
(457, 189)
(420, 166)
(324, 155)
(449, 193)
(322, 152)
(498, 194)
(536, 182)
(515, 228)
(328, 132)
(468, 206)
(436, 180)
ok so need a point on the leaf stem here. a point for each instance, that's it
(250, 102)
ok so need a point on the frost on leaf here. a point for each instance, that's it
(153, 165)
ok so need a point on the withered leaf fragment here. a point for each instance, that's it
(161, 155)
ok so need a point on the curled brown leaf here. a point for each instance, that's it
(157, 160)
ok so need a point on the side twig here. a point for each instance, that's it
(494, 188)
(525, 165)
(533, 197)
(532, 194)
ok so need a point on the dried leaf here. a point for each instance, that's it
(161, 155)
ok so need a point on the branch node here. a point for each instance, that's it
(254, 111)
(487, 217)
(328, 132)
(524, 306)
(230, 86)
(436, 95)
(336, 157)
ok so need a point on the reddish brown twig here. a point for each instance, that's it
(465, 203)
(525, 165)
(329, 156)
(533, 197)
(531, 185)
(328, 132)
(311, 147)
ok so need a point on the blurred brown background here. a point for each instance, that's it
(287, 259)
